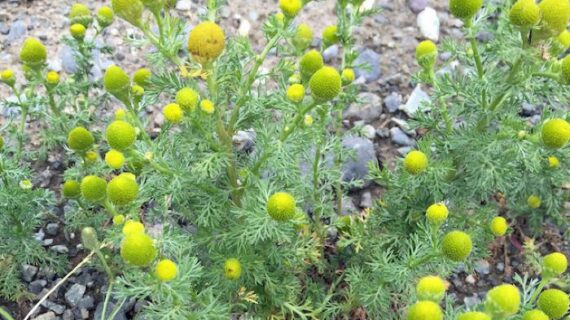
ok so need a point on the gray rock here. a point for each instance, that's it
(110, 307)
(45, 316)
(47, 242)
(415, 101)
(500, 267)
(417, 6)
(37, 286)
(485, 36)
(383, 133)
(348, 206)
(330, 53)
(471, 302)
(482, 267)
(362, 153)
(57, 308)
(28, 272)
(244, 141)
(393, 102)
(87, 302)
(74, 294)
(184, 5)
(369, 132)
(368, 65)
(400, 137)
(528, 109)
(4, 28)
(368, 108)
(60, 248)
(366, 200)
(52, 229)
(40, 235)
(428, 23)
(68, 315)
(403, 150)
(67, 58)
(17, 31)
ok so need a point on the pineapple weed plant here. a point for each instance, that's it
(246, 232)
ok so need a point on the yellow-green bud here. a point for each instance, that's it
(90, 157)
(118, 220)
(330, 35)
(130, 10)
(465, 9)
(347, 76)
(77, 31)
(89, 238)
(33, 53)
(437, 213)
(105, 16)
(303, 37)
(325, 84)
(166, 270)
(503, 301)
(535, 315)
(138, 249)
(122, 189)
(137, 91)
(310, 63)
(132, 226)
(554, 265)
(425, 310)
(499, 226)
(553, 162)
(456, 245)
(555, 15)
(290, 8)
(554, 303)
(7, 76)
(79, 13)
(187, 98)
(415, 162)
(93, 188)
(564, 39)
(556, 133)
(80, 139)
(296, 93)
(281, 206)
(525, 14)
(431, 288)
(426, 54)
(120, 135)
(71, 189)
(52, 78)
(117, 82)
(232, 269)
(141, 76)
(533, 201)
(206, 42)
(173, 113)
(207, 106)
(114, 159)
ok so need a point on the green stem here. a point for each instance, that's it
(132, 110)
(512, 74)
(110, 208)
(443, 105)
(548, 75)
(52, 104)
(5, 314)
(156, 13)
(543, 282)
(105, 265)
(422, 260)
(107, 298)
(338, 165)
(212, 7)
(22, 127)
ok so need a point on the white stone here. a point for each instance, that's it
(428, 23)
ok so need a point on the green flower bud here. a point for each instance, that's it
(465, 9)
(456, 245)
(525, 14)
(122, 189)
(130, 10)
(93, 188)
(431, 288)
(554, 303)
(33, 53)
(281, 206)
(187, 99)
(425, 310)
(138, 249)
(310, 63)
(325, 84)
(120, 135)
(80, 139)
(303, 37)
(535, 315)
(426, 54)
(141, 76)
(105, 16)
(89, 238)
(79, 13)
(554, 265)
(71, 189)
(503, 301)
(117, 82)
(77, 31)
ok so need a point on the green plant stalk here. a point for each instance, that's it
(159, 22)
(212, 8)
(424, 259)
(158, 167)
(338, 164)
(21, 128)
(132, 109)
(52, 103)
(110, 208)
(512, 74)
(443, 105)
(543, 282)
(107, 298)
(3, 174)
(5, 314)
(105, 265)
(316, 161)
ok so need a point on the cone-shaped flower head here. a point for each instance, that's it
(465, 9)
(206, 41)
(499, 226)
(173, 113)
(554, 303)
(71, 189)
(303, 37)
(281, 206)
(415, 162)
(120, 135)
(534, 201)
(426, 54)
(330, 35)
(456, 245)
(325, 84)
(503, 301)
(114, 159)
(525, 13)
(556, 133)
(79, 13)
(431, 288)
(232, 269)
(80, 139)
(93, 188)
(437, 213)
(187, 98)
(296, 93)
(425, 310)
(555, 16)
(122, 189)
(117, 82)
(33, 53)
(141, 76)
(105, 16)
(554, 264)
(290, 8)
(138, 249)
(310, 63)
(535, 315)
(166, 270)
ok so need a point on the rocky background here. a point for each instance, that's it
(387, 41)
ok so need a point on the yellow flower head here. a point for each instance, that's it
(499, 226)
(426, 53)
(325, 84)
(187, 98)
(525, 13)
(77, 31)
(166, 270)
(105, 16)
(425, 310)
(564, 39)
(437, 213)
(141, 76)
(554, 303)
(303, 36)
(553, 162)
(90, 157)
(173, 113)
(116, 81)
(533, 201)
(80, 139)
(114, 159)
(7, 76)
(120, 114)
(465, 9)
(93, 188)
(473, 315)
(118, 220)
(347, 76)
(290, 8)
(555, 15)
(330, 35)
(80, 14)
(565, 70)
(207, 106)
(556, 133)
(554, 264)
(52, 78)
(308, 121)
(281, 206)
(120, 135)
(122, 189)
(310, 63)
(132, 227)
(503, 301)
(415, 162)
(138, 249)
(206, 41)
(232, 269)
(130, 10)
(137, 91)
(431, 288)
(33, 53)
(71, 189)
(296, 93)
(535, 315)
(456, 245)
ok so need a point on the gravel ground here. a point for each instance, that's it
(388, 42)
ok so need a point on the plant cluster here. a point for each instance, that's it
(202, 225)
